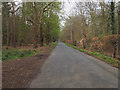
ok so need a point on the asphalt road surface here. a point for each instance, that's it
(70, 68)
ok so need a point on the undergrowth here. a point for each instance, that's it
(13, 54)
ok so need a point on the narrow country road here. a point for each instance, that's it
(70, 68)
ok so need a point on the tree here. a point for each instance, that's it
(13, 24)
(5, 22)
(93, 26)
(103, 16)
(44, 9)
(35, 25)
(22, 23)
(118, 31)
(112, 17)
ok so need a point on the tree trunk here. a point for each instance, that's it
(35, 25)
(71, 36)
(40, 29)
(11, 34)
(41, 36)
(103, 17)
(47, 34)
(13, 23)
(40, 24)
(112, 17)
(114, 49)
(8, 33)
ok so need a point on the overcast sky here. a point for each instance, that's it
(67, 9)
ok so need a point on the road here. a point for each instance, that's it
(69, 68)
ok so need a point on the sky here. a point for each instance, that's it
(67, 9)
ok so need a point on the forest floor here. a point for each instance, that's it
(20, 72)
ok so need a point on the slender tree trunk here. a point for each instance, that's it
(103, 17)
(35, 25)
(8, 33)
(92, 22)
(119, 18)
(113, 28)
(47, 34)
(11, 33)
(108, 25)
(41, 36)
(40, 29)
(71, 36)
(13, 18)
(112, 17)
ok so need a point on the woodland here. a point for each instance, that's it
(92, 26)
(95, 26)
(29, 23)
(32, 30)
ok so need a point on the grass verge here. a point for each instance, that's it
(100, 56)
(13, 54)
(54, 45)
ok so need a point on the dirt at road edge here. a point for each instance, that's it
(19, 73)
